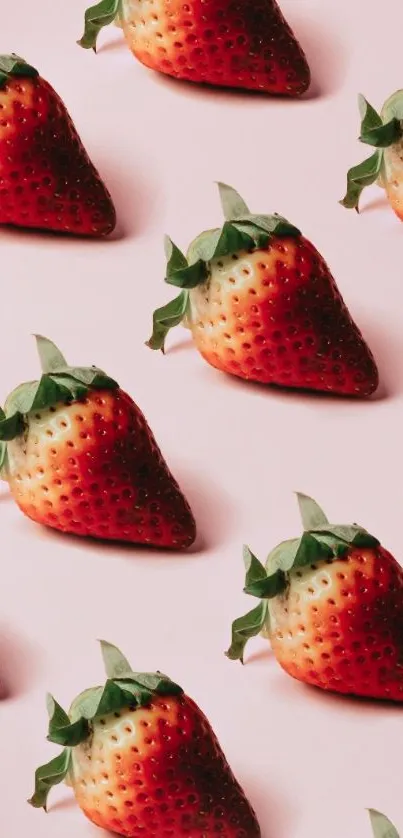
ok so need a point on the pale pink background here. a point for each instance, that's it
(310, 763)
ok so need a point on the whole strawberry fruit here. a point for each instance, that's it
(385, 166)
(79, 456)
(47, 180)
(142, 759)
(262, 304)
(247, 44)
(332, 606)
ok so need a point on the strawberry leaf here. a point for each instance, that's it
(178, 270)
(359, 177)
(274, 225)
(233, 206)
(269, 587)
(244, 628)
(382, 827)
(383, 136)
(11, 427)
(283, 556)
(253, 567)
(3, 456)
(232, 240)
(49, 355)
(204, 246)
(58, 384)
(49, 775)
(374, 130)
(393, 106)
(176, 260)
(118, 668)
(96, 18)
(166, 318)
(116, 665)
(310, 550)
(311, 513)
(13, 65)
(70, 734)
(57, 716)
(369, 117)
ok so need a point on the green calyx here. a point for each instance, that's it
(12, 66)
(320, 541)
(382, 827)
(59, 383)
(96, 18)
(123, 690)
(380, 132)
(241, 231)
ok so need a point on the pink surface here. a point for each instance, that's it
(310, 763)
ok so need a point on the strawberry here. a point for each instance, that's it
(47, 180)
(332, 606)
(142, 759)
(381, 825)
(243, 44)
(261, 304)
(385, 166)
(79, 456)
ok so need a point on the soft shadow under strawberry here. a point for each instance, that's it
(271, 806)
(361, 707)
(275, 391)
(19, 664)
(326, 54)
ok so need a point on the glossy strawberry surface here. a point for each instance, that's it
(158, 771)
(339, 625)
(275, 315)
(231, 43)
(47, 180)
(93, 468)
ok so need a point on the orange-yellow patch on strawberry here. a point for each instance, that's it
(15, 97)
(393, 177)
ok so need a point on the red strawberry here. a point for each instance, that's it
(385, 165)
(332, 606)
(79, 456)
(244, 44)
(47, 180)
(142, 759)
(262, 304)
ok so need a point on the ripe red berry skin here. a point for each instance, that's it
(47, 179)
(93, 468)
